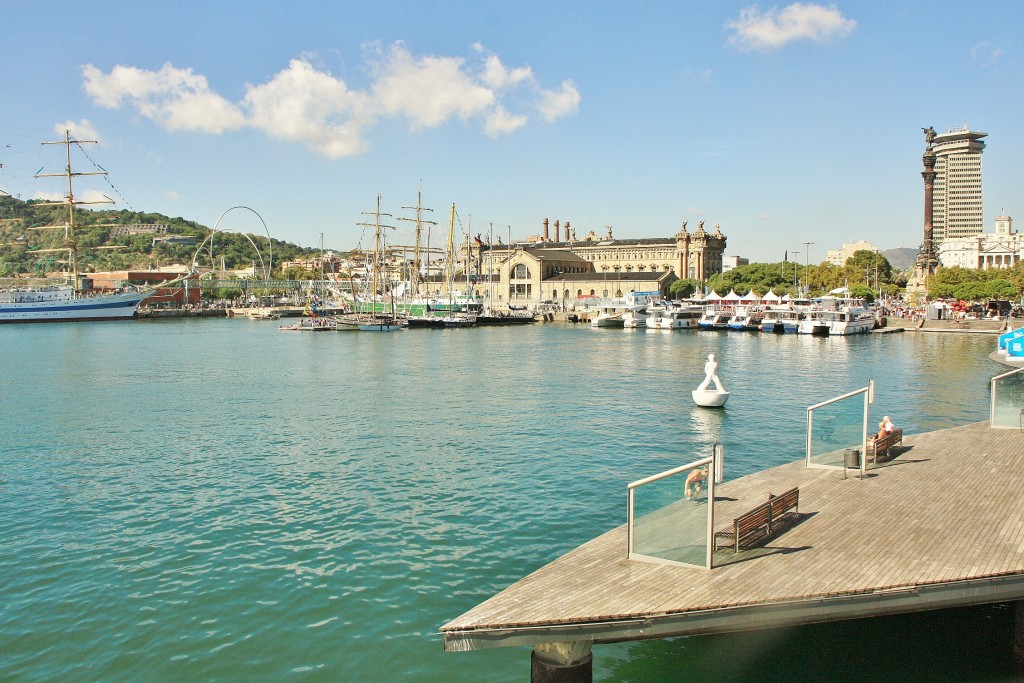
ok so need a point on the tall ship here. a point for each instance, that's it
(68, 301)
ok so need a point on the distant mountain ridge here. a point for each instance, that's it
(902, 258)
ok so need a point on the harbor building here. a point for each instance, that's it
(838, 257)
(558, 268)
(730, 262)
(1002, 249)
(957, 197)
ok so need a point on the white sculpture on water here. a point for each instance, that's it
(704, 395)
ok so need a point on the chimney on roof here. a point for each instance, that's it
(567, 231)
(546, 237)
(556, 230)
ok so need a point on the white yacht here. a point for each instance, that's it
(746, 318)
(714, 318)
(608, 316)
(781, 320)
(675, 319)
(636, 317)
(838, 317)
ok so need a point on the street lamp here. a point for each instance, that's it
(794, 271)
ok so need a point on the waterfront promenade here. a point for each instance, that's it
(940, 525)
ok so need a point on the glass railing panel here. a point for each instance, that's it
(1008, 400)
(834, 428)
(669, 519)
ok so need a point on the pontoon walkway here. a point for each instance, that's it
(941, 525)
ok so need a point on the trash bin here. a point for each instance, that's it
(853, 457)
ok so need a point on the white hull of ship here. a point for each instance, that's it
(53, 307)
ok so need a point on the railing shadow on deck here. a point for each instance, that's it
(895, 457)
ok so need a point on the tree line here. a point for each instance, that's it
(867, 274)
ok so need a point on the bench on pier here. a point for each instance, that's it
(883, 444)
(762, 522)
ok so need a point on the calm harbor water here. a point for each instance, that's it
(217, 500)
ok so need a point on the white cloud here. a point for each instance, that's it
(177, 99)
(701, 76)
(986, 53)
(428, 90)
(554, 104)
(314, 108)
(497, 76)
(172, 195)
(774, 28)
(320, 111)
(85, 197)
(500, 122)
(81, 129)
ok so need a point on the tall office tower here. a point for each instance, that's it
(956, 199)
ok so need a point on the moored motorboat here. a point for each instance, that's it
(781, 320)
(636, 317)
(714, 318)
(608, 318)
(675, 319)
(838, 317)
(312, 325)
(746, 319)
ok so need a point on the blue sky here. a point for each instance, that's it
(783, 123)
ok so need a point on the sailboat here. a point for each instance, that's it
(489, 316)
(68, 302)
(454, 318)
(376, 321)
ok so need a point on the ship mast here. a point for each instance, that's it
(378, 245)
(414, 281)
(69, 199)
(449, 266)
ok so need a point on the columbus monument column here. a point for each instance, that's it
(926, 259)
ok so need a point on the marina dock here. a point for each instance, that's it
(939, 525)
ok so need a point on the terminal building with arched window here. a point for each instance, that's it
(565, 272)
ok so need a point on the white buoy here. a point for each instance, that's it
(704, 395)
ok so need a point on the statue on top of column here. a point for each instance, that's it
(929, 135)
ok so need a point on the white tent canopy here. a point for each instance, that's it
(731, 296)
(749, 296)
(771, 298)
(713, 296)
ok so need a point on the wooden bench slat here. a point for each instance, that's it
(763, 521)
(883, 444)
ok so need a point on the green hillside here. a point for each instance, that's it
(21, 246)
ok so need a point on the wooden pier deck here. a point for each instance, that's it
(939, 525)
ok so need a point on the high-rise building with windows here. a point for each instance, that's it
(956, 198)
